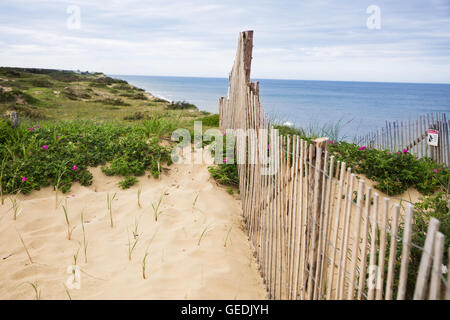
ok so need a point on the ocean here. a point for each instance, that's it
(357, 107)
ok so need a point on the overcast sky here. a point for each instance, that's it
(310, 39)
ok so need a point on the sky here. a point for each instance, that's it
(408, 41)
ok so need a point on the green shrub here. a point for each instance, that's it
(128, 182)
(113, 102)
(135, 116)
(158, 127)
(159, 100)
(225, 173)
(72, 147)
(394, 173)
(180, 105)
(436, 206)
(135, 96)
(211, 120)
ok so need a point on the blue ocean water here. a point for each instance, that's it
(359, 107)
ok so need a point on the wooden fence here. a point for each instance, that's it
(318, 231)
(412, 135)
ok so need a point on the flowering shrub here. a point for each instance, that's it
(59, 154)
(395, 173)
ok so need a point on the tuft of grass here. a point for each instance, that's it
(67, 291)
(37, 290)
(58, 185)
(230, 191)
(139, 193)
(156, 211)
(25, 247)
(66, 215)
(2, 197)
(181, 105)
(85, 242)
(128, 182)
(131, 245)
(195, 201)
(75, 257)
(226, 238)
(109, 201)
(15, 204)
(211, 120)
(144, 264)
(136, 229)
(204, 232)
(332, 130)
(144, 260)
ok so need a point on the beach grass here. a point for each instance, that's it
(155, 206)
(109, 200)
(144, 264)
(85, 242)
(139, 193)
(132, 243)
(203, 234)
(25, 247)
(66, 216)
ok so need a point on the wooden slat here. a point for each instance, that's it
(382, 252)
(356, 240)
(373, 249)
(364, 235)
(405, 253)
(392, 252)
(425, 261)
(436, 272)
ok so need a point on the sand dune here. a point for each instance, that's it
(177, 267)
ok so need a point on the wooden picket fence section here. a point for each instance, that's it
(412, 135)
(318, 231)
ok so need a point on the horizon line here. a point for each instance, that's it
(285, 79)
(211, 77)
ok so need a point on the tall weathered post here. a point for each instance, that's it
(14, 117)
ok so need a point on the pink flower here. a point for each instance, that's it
(330, 141)
(31, 129)
(24, 179)
(224, 134)
(362, 148)
(398, 152)
(405, 151)
(435, 170)
(73, 196)
(45, 147)
(38, 126)
(225, 160)
(74, 168)
(268, 146)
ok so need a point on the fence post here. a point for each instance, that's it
(318, 149)
(14, 117)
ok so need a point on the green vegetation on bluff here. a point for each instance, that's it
(40, 94)
(70, 121)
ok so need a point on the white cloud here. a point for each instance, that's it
(303, 40)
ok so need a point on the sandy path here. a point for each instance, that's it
(178, 268)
